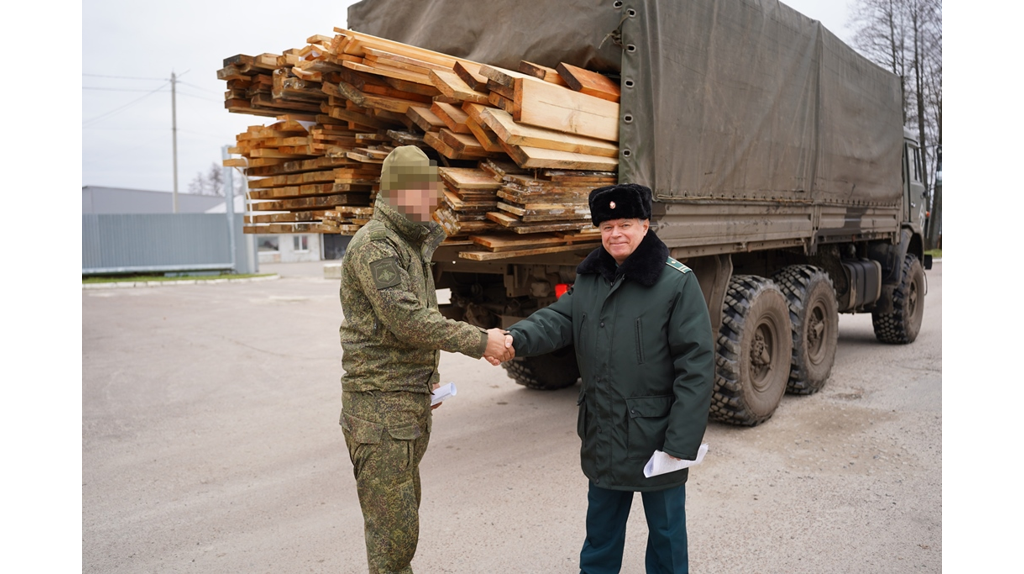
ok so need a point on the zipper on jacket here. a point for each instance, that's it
(579, 336)
(639, 341)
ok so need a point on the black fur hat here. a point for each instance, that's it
(621, 201)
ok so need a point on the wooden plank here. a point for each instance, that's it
(459, 204)
(268, 101)
(499, 169)
(510, 132)
(364, 100)
(501, 102)
(451, 85)
(397, 60)
(393, 92)
(465, 144)
(273, 153)
(545, 105)
(534, 157)
(576, 176)
(468, 178)
(389, 72)
(358, 39)
(580, 198)
(294, 216)
(508, 242)
(358, 118)
(425, 119)
(309, 203)
(555, 212)
(541, 72)
(587, 82)
(492, 255)
(485, 135)
(405, 138)
(473, 78)
(502, 76)
(495, 87)
(453, 117)
(434, 140)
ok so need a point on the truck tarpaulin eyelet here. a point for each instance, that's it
(629, 83)
(631, 12)
(626, 153)
(631, 48)
(628, 118)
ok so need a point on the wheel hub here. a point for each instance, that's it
(761, 352)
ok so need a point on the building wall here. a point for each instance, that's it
(104, 200)
(288, 248)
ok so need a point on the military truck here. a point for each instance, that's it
(781, 170)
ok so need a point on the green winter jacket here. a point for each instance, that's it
(392, 329)
(643, 343)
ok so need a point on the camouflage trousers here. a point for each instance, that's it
(387, 436)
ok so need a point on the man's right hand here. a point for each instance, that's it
(499, 347)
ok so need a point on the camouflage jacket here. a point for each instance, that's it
(392, 330)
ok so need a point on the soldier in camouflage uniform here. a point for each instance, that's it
(391, 338)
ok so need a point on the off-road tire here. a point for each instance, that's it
(814, 313)
(549, 372)
(753, 352)
(904, 323)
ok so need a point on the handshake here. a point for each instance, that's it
(499, 347)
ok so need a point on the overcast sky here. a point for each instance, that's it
(130, 49)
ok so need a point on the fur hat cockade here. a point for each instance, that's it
(621, 201)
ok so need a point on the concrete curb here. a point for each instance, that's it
(134, 284)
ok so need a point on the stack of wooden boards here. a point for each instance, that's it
(520, 150)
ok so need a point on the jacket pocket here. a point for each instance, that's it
(648, 420)
(361, 431)
(581, 416)
(639, 341)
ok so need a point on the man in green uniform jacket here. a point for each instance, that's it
(391, 339)
(642, 334)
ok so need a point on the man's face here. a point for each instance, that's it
(621, 237)
(418, 202)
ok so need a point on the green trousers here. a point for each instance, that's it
(387, 436)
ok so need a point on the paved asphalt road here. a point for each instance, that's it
(210, 443)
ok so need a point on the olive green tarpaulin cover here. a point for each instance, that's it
(721, 99)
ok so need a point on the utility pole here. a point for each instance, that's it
(229, 205)
(174, 137)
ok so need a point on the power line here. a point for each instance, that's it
(196, 87)
(114, 89)
(123, 77)
(124, 107)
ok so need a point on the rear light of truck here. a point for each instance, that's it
(561, 288)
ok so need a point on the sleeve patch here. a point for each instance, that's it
(385, 273)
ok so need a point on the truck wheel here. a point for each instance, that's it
(904, 323)
(553, 371)
(754, 350)
(814, 314)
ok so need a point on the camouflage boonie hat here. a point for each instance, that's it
(405, 166)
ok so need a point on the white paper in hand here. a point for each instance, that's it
(661, 463)
(441, 393)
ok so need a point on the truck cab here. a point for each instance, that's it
(915, 192)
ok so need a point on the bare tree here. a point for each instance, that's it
(905, 37)
(212, 182)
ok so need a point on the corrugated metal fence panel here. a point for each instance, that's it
(158, 242)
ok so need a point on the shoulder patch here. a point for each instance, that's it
(677, 265)
(385, 273)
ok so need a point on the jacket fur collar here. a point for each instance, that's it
(644, 265)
